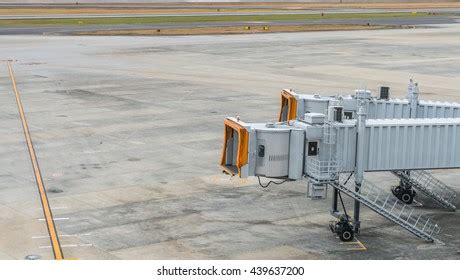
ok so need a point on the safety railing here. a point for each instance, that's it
(323, 170)
(436, 186)
(390, 207)
(430, 186)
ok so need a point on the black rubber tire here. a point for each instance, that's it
(347, 235)
(407, 197)
(397, 190)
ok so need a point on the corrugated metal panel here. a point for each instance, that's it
(412, 144)
(388, 109)
(431, 109)
(346, 146)
(399, 109)
(382, 109)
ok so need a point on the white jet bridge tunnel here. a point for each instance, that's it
(295, 106)
(326, 147)
(400, 144)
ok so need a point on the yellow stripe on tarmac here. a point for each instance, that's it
(56, 246)
(357, 242)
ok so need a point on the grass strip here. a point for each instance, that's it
(198, 19)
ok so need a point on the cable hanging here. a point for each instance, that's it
(268, 184)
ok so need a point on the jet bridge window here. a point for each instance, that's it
(261, 151)
(348, 115)
(312, 148)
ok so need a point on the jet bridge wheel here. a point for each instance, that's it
(404, 193)
(343, 228)
(347, 235)
(408, 196)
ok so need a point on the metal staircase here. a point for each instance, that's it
(389, 207)
(429, 186)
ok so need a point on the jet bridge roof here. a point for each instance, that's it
(406, 122)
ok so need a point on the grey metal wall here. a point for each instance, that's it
(431, 109)
(412, 144)
(400, 109)
(346, 145)
(382, 109)
(402, 144)
(392, 109)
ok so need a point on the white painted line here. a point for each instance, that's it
(38, 237)
(56, 208)
(55, 219)
(68, 245)
(62, 235)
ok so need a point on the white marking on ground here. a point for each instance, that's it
(54, 219)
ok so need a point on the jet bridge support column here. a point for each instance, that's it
(359, 164)
(404, 191)
(335, 196)
(412, 96)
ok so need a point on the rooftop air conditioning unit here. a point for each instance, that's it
(363, 94)
(314, 118)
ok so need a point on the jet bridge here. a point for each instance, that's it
(268, 149)
(298, 107)
(324, 147)
(295, 106)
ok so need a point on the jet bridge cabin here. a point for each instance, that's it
(262, 149)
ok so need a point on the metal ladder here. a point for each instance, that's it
(323, 171)
(430, 186)
(389, 207)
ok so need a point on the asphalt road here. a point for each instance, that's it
(70, 29)
(285, 12)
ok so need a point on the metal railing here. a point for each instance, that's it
(391, 208)
(323, 170)
(430, 186)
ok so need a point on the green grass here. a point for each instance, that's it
(197, 19)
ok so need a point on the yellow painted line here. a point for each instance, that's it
(55, 244)
(349, 243)
(357, 242)
(356, 249)
(360, 248)
(364, 248)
